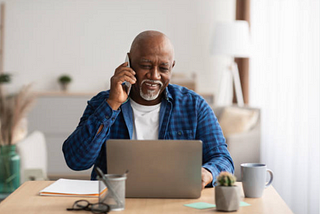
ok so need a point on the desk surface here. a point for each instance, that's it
(26, 199)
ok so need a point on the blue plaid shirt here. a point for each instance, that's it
(183, 115)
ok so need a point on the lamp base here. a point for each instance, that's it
(237, 84)
(229, 80)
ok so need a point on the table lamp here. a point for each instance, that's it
(232, 39)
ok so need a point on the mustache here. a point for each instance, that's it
(152, 81)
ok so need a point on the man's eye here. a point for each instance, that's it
(164, 69)
(146, 66)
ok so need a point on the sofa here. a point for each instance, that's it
(242, 129)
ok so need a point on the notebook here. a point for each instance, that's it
(157, 168)
(70, 187)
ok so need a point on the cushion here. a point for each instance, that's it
(234, 120)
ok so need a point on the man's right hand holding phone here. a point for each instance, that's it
(118, 94)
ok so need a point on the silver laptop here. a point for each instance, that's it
(157, 168)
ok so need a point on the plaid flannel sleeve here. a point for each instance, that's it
(216, 157)
(82, 147)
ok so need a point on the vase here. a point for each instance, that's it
(9, 169)
(227, 198)
(64, 87)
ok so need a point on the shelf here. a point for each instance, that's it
(65, 94)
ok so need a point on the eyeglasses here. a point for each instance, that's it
(87, 206)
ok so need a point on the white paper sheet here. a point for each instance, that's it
(70, 187)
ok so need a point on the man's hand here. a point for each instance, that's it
(206, 177)
(117, 93)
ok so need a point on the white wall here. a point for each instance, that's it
(88, 39)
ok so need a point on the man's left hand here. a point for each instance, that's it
(206, 177)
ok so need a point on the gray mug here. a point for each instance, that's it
(253, 177)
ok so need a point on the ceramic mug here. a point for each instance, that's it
(253, 177)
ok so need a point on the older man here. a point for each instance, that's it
(154, 109)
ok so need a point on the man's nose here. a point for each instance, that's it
(154, 73)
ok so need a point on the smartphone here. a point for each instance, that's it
(127, 85)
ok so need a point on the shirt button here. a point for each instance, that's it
(179, 133)
(107, 117)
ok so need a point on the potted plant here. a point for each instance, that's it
(227, 195)
(5, 78)
(13, 111)
(64, 81)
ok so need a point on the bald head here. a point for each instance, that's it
(152, 58)
(152, 39)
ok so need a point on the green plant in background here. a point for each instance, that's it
(5, 78)
(226, 179)
(64, 79)
(13, 111)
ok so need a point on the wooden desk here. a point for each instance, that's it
(26, 199)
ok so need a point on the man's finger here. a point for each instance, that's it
(206, 177)
(123, 76)
(130, 79)
(203, 184)
(125, 64)
(122, 67)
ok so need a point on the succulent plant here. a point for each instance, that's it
(226, 179)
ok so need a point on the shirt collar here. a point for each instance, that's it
(167, 95)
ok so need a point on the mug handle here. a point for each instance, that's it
(271, 177)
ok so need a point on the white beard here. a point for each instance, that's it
(151, 94)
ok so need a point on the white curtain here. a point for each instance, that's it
(284, 82)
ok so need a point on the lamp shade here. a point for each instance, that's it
(232, 39)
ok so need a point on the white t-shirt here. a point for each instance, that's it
(145, 121)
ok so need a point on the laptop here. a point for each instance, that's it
(157, 168)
